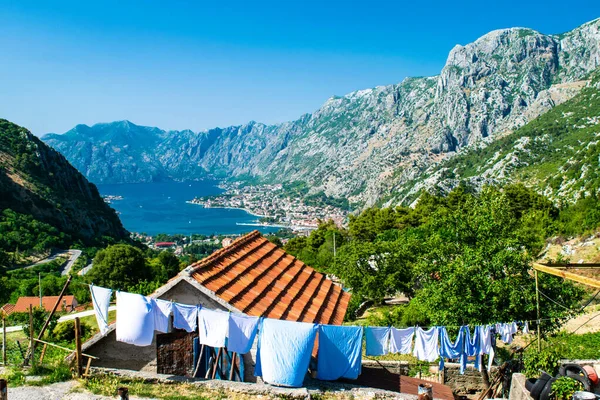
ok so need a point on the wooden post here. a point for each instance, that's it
(31, 341)
(233, 358)
(87, 368)
(4, 341)
(219, 354)
(78, 346)
(123, 393)
(3, 389)
(43, 330)
(195, 375)
(537, 302)
(43, 353)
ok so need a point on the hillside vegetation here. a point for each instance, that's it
(44, 201)
(461, 258)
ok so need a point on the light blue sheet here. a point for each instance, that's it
(377, 341)
(448, 349)
(284, 351)
(340, 352)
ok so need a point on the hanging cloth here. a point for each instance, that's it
(486, 340)
(377, 341)
(448, 349)
(135, 319)
(162, 313)
(213, 326)
(242, 331)
(401, 340)
(526, 328)
(185, 317)
(507, 331)
(340, 352)
(426, 344)
(472, 348)
(101, 301)
(284, 351)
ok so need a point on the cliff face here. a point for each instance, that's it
(38, 181)
(362, 145)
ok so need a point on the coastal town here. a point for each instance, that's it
(275, 206)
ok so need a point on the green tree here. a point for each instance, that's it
(119, 267)
(170, 263)
(475, 267)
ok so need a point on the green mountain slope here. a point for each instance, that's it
(42, 195)
(557, 153)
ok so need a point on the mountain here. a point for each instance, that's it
(367, 144)
(558, 154)
(39, 183)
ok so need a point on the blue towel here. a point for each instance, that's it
(472, 347)
(340, 352)
(377, 341)
(447, 348)
(284, 350)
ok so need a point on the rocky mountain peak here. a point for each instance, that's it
(363, 144)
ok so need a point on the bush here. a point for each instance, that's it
(546, 360)
(65, 331)
(564, 388)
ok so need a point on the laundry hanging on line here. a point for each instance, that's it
(139, 316)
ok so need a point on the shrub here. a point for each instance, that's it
(564, 388)
(65, 331)
(546, 360)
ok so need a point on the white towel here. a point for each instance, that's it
(162, 312)
(213, 327)
(135, 319)
(101, 301)
(185, 317)
(426, 344)
(242, 330)
(401, 340)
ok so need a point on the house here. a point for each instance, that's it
(251, 276)
(226, 241)
(164, 245)
(67, 304)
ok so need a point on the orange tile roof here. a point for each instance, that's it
(260, 279)
(7, 309)
(48, 303)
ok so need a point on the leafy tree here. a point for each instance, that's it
(119, 267)
(476, 267)
(170, 263)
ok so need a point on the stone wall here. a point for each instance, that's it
(467, 384)
(114, 354)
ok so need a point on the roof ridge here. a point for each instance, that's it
(225, 250)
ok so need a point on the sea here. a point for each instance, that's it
(161, 207)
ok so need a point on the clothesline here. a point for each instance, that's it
(284, 347)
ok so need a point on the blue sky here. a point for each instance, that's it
(197, 65)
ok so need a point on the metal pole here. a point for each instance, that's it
(40, 285)
(3, 389)
(31, 342)
(123, 393)
(537, 302)
(4, 341)
(78, 346)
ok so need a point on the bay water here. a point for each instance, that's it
(161, 207)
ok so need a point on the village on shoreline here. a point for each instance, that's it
(274, 206)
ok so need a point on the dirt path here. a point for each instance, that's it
(56, 391)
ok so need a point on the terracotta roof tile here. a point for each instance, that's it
(68, 303)
(260, 279)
